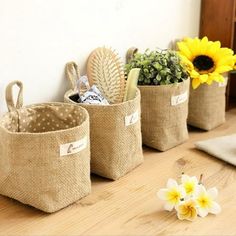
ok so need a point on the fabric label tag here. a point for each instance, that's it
(175, 100)
(132, 119)
(74, 147)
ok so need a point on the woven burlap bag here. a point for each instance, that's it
(164, 125)
(116, 147)
(44, 153)
(207, 106)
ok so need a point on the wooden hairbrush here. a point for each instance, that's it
(105, 70)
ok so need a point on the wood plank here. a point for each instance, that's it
(129, 206)
(217, 21)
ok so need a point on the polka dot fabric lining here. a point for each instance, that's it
(43, 118)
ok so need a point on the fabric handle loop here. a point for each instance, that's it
(72, 74)
(130, 54)
(9, 96)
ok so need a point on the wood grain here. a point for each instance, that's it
(129, 206)
(217, 21)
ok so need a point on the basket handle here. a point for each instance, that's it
(9, 97)
(72, 74)
(130, 54)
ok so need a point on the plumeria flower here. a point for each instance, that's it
(172, 194)
(187, 210)
(205, 201)
(190, 184)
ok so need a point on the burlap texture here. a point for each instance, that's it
(32, 170)
(163, 125)
(116, 149)
(207, 106)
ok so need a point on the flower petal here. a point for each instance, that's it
(213, 48)
(194, 179)
(162, 193)
(203, 78)
(171, 183)
(184, 50)
(184, 178)
(215, 209)
(168, 206)
(180, 216)
(182, 191)
(223, 69)
(203, 45)
(213, 192)
(201, 189)
(202, 212)
(195, 83)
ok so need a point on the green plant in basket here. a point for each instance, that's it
(158, 67)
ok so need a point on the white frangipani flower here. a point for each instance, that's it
(187, 210)
(205, 201)
(190, 184)
(172, 194)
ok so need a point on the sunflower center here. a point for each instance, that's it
(203, 63)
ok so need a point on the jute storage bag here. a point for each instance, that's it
(44, 153)
(164, 115)
(207, 106)
(115, 132)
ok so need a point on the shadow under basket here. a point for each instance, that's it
(44, 153)
(115, 132)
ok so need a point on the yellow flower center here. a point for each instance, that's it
(189, 187)
(203, 64)
(173, 196)
(188, 210)
(204, 201)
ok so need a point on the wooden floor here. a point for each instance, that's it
(129, 206)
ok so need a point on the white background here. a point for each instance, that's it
(37, 37)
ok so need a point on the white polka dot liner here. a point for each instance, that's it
(43, 118)
(40, 118)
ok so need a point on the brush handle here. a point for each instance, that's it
(131, 85)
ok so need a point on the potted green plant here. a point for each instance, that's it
(164, 87)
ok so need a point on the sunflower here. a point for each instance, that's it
(205, 60)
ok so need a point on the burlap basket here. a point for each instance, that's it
(164, 115)
(115, 132)
(44, 153)
(207, 106)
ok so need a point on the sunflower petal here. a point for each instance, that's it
(203, 45)
(194, 74)
(203, 78)
(195, 83)
(213, 48)
(184, 50)
(228, 60)
(209, 81)
(223, 69)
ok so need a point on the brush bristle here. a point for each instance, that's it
(105, 70)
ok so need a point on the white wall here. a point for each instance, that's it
(37, 37)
